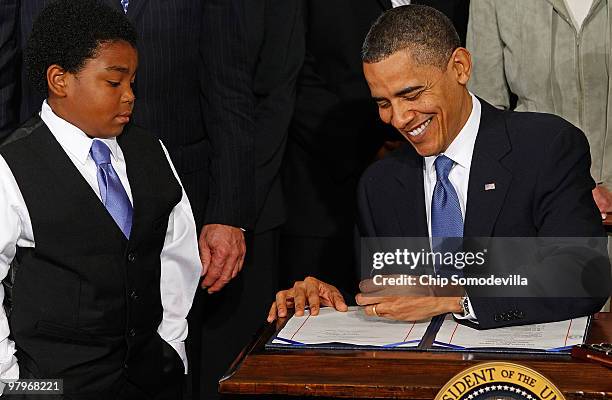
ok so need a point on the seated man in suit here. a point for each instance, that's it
(470, 171)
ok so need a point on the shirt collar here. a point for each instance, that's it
(461, 148)
(71, 138)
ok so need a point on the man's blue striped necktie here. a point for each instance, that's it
(112, 192)
(446, 218)
(125, 4)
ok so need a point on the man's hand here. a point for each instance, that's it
(222, 251)
(408, 303)
(309, 292)
(408, 308)
(388, 147)
(603, 199)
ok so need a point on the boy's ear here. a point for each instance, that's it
(57, 80)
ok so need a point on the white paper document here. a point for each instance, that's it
(352, 327)
(552, 336)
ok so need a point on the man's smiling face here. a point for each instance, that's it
(426, 104)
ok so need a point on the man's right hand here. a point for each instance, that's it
(222, 251)
(309, 292)
(603, 199)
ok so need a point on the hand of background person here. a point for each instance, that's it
(309, 292)
(222, 251)
(387, 147)
(408, 303)
(603, 199)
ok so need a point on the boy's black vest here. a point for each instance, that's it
(86, 301)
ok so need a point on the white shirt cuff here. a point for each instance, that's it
(471, 315)
(179, 347)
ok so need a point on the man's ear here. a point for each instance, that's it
(461, 63)
(57, 80)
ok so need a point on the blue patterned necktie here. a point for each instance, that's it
(446, 218)
(112, 192)
(125, 4)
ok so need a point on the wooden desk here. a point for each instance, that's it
(396, 374)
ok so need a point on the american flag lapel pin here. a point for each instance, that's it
(489, 186)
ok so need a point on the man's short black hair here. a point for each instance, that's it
(68, 33)
(425, 32)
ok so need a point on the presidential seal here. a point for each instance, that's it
(499, 381)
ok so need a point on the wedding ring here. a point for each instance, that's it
(374, 310)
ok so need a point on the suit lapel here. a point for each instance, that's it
(489, 179)
(410, 209)
(559, 6)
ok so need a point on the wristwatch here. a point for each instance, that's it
(464, 302)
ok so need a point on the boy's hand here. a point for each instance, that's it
(222, 250)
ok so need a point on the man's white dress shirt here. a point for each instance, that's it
(460, 151)
(180, 261)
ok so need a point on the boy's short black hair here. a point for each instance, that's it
(68, 33)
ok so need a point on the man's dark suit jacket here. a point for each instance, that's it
(540, 166)
(336, 130)
(274, 45)
(265, 41)
(175, 90)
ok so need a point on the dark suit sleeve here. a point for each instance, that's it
(278, 63)
(326, 124)
(365, 223)
(228, 107)
(335, 120)
(563, 208)
(8, 66)
(564, 205)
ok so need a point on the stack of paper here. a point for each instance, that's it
(552, 336)
(352, 327)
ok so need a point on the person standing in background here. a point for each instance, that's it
(335, 134)
(549, 56)
(253, 52)
(173, 88)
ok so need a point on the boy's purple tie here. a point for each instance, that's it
(112, 193)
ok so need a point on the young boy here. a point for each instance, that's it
(97, 239)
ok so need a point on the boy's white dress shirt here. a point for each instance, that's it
(180, 261)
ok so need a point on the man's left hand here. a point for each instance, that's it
(222, 251)
(408, 303)
(408, 308)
